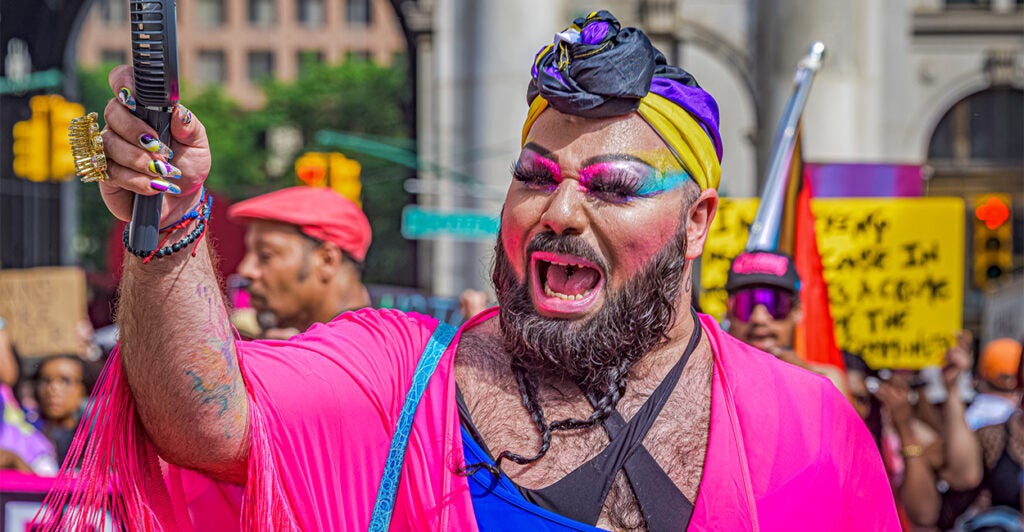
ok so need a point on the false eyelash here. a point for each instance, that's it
(617, 188)
(531, 177)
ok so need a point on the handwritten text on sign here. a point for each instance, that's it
(894, 269)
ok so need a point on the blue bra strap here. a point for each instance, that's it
(385, 504)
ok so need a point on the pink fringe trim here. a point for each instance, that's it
(121, 485)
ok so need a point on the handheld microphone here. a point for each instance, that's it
(155, 72)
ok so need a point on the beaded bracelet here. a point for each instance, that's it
(201, 213)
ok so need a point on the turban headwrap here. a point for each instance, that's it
(596, 69)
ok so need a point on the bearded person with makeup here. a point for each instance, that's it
(591, 397)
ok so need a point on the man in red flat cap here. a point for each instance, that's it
(305, 249)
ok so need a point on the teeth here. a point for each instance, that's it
(564, 297)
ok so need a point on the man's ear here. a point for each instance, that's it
(330, 259)
(698, 222)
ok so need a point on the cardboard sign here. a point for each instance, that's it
(43, 307)
(894, 269)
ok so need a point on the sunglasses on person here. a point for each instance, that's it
(777, 301)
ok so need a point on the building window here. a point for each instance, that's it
(261, 12)
(113, 11)
(984, 127)
(311, 12)
(212, 67)
(211, 13)
(117, 57)
(309, 60)
(358, 12)
(261, 66)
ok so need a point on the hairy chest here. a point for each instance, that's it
(677, 440)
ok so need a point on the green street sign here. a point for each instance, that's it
(420, 223)
(37, 80)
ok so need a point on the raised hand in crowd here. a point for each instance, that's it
(919, 448)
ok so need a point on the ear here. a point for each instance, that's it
(698, 222)
(330, 259)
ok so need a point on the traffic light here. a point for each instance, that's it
(332, 169)
(993, 238)
(344, 174)
(62, 164)
(32, 143)
(311, 169)
(42, 150)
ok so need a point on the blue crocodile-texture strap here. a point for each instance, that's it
(385, 504)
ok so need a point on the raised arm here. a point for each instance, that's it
(177, 347)
(963, 465)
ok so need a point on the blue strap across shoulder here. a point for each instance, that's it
(385, 504)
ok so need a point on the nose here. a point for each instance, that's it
(247, 268)
(760, 315)
(565, 213)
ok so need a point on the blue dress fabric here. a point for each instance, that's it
(499, 506)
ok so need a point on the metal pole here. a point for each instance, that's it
(764, 233)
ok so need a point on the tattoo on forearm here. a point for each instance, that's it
(214, 385)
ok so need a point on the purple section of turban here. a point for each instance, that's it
(696, 101)
(594, 33)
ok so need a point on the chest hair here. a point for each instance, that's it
(677, 440)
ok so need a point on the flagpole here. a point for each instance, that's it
(764, 232)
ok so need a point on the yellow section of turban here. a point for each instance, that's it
(683, 135)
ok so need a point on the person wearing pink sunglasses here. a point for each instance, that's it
(764, 308)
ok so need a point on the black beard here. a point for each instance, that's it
(596, 353)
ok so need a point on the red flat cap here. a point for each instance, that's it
(318, 212)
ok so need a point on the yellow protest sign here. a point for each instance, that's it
(894, 269)
(895, 274)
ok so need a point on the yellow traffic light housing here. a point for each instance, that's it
(62, 163)
(332, 170)
(311, 169)
(993, 238)
(41, 147)
(344, 174)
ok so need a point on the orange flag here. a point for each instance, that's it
(815, 335)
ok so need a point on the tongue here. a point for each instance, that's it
(576, 283)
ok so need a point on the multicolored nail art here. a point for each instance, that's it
(153, 145)
(125, 97)
(163, 169)
(185, 115)
(164, 186)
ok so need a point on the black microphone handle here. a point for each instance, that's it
(144, 229)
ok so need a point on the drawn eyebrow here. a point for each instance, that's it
(610, 157)
(540, 150)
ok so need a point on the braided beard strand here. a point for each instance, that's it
(596, 354)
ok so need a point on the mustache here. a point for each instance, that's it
(566, 245)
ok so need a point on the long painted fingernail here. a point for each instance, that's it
(125, 97)
(163, 169)
(185, 115)
(164, 186)
(153, 145)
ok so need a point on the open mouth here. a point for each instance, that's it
(564, 283)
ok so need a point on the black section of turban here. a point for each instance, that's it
(605, 73)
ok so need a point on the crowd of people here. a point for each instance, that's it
(951, 443)
(591, 396)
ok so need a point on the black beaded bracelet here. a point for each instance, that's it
(166, 250)
(201, 213)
